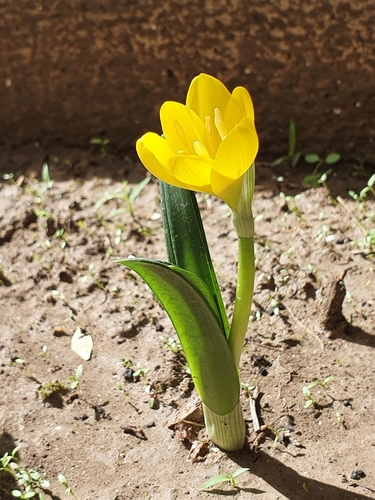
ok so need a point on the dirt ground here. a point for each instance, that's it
(313, 317)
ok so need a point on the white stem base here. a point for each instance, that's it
(226, 431)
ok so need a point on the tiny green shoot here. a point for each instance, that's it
(316, 178)
(306, 390)
(76, 378)
(103, 145)
(30, 482)
(221, 478)
(68, 490)
(140, 372)
(48, 389)
(172, 345)
(120, 387)
(293, 155)
(126, 195)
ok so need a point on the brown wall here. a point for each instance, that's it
(74, 69)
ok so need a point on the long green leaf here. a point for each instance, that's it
(186, 299)
(186, 241)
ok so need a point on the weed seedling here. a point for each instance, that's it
(307, 390)
(277, 433)
(315, 179)
(140, 372)
(29, 481)
(103, 145)
(153, 402)
(50, 388)
(293, 155)
(68, 489)
(9, 178)
(125, 194)
(370, 187)
(221, 478)
(127, 362)
(76, 378)
(120, 387)
(172, 345)
(94, 278)
(44, 353)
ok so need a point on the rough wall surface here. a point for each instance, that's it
(74, 69)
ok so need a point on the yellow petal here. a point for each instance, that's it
(181, 127)
(228, 190)
(239, 106)
(155, 154)
(193, 171)
(205, 94)
(235, 155)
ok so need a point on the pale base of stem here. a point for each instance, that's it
(226, 431)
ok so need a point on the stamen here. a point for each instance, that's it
(181, 133)
(209, 137)
(220, 124)
(200, 149)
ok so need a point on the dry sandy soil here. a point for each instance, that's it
(313, 317)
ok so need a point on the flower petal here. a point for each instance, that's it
(205, 94)
(181, 127)
(239, 106)
(235, 155)
(155, 154)
(193, 171)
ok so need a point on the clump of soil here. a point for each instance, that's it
(313, 317)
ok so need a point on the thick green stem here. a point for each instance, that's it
(226, 431)
(244, 296)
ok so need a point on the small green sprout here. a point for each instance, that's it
(30, 481)
(68, 489)
(172, 345)
(102, 143)
(120, 387)
(140, 372)
(95, 279)
(125, 194)
(304, 486)
(370, 187)
(9, 178)
(221, 478)
(307, 389)
(76, 378)
(277, 433)
(44, 353)
(50, 388)
(293, 155)
(127, 362)
(316, 178)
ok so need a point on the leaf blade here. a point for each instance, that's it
(186, 241)
(206, 349)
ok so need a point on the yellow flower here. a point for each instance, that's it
(208, 145)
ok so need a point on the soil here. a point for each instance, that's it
(313, 317)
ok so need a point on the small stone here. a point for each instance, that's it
(357, 474)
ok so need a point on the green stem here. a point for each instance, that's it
(244, 296)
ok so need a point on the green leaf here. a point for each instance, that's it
(239, 471)
(189, 305)
(138, 188)
(295, 159)
(186, 241)
(332, 158)
(279, 161)
(312, 158)
(220, 478)
(311, 180)
(292, 139)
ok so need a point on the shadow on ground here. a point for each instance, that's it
(289, 482)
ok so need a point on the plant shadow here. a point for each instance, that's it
(289, 482)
